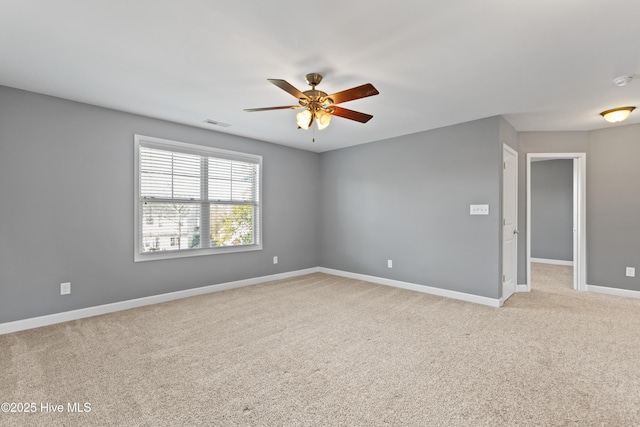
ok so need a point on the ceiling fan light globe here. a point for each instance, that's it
(322, 119)
(303, 118)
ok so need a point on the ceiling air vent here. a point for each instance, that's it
(217, 123)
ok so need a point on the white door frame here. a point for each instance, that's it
(579, 215)
(514, 266)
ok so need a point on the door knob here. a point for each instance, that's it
(515, 231)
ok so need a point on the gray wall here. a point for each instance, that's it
(66, 210)
(613, 199)
(613, 207)
(407, 199)
(552, 209)
(508, 135)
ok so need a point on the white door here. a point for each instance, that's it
(509, 222)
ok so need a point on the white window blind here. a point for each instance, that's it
(194, 200)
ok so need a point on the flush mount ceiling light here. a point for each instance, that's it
(616, 115)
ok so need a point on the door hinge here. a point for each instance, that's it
(503, 278)
(504, 165)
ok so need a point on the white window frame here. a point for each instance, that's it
(202, 151)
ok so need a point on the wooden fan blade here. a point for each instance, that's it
(286, 107)
(354, 93)
(287, 87)
(351, 115)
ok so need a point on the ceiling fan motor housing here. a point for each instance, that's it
(314, 79)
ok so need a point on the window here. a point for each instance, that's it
(194, 200)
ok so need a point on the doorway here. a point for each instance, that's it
(578, 220)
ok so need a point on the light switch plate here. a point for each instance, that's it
(631, 272)
(479, 210)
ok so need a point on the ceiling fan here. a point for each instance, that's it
(320, 106)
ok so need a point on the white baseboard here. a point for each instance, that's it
(522, 288)
(51, 319)
(614, 291)
(552, 261)
(491, 302)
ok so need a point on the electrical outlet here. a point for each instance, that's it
(65, 288)
(389, 263)
(275, 259)
(631, 272)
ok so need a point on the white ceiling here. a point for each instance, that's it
(543, 65)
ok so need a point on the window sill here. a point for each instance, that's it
(187, 253)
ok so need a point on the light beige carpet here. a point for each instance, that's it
(322, 350)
